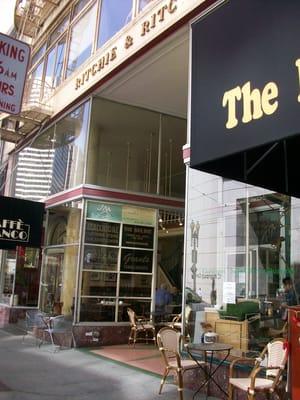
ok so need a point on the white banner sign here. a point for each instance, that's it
(229, 293)
(14, 59)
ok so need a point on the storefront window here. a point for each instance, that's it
(82, 37)
(61, 258)
(114, 15)
(241, 245)
(58, 280)
(20, 277)
(124, 151)
(117, 269)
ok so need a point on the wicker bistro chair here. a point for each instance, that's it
(34, 321)
(272, 362)
(60, 330)
(140, 326)
(169, 340)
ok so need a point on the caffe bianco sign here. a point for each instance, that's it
(14, 230)
(21, 223)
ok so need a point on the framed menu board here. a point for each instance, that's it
(101, 232)
(137, 236)
(136, 260)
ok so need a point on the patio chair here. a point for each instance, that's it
(60, 330)
(139, 326)
(169, 341)
(34, 321)
(272, 362)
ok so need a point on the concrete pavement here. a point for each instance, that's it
(28, 372)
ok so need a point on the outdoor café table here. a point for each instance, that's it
(209, 349)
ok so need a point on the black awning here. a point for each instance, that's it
(245, 110)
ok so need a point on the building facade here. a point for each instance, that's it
(99, 141)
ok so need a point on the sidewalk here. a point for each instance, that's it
(30, 373)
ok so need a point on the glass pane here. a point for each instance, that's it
(36, 84)
(137, 236)
(64, 224)
(95, 310)
(172, 178)
(144, 3)
(58, 279)
(136, 260)
(123, 151)
(8, 276)
(58, 70)
(100, 232)
(98, 284)
(101, 258)
(114, 15)
(140, 307)
(38, 54)
(134, 285)
(81, 40)
(50, 61)
(55, 160)
(27, 277)
(79, 6)
(59, 29)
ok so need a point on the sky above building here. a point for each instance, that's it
(6, 14)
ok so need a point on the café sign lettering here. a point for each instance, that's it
(14, 230)
(256, 103)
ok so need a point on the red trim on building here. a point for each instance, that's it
(113, 195)
(186, 153)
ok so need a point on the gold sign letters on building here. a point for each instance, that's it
(256, 103)
(106, 59)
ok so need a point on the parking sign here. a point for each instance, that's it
(14, 60)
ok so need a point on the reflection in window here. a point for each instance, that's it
(102, 258)
(38, 54)
(114, 15)
(54, 162)
(99, 283)
(59, 29)
(129, 161)
(143, 4)
(135, 285)
(82, 37)
(96, 309)
(58, 279)
(79, 6)
(35, 84)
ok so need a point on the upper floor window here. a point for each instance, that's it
(143, 4)
(38, 54)
(114, 15)
(59, 29)
(82, 37)
(79, 6)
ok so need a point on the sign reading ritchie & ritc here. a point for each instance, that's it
(245, 78)
(14, 60)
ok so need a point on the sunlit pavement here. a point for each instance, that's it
(28, 372)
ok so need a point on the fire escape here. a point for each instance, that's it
(30, 16)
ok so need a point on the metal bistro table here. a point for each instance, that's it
(209, 349)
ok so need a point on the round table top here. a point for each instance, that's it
(210, 346)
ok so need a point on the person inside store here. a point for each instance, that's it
(289, 295)
(162, 299)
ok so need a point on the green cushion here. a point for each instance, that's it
(240, 310)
